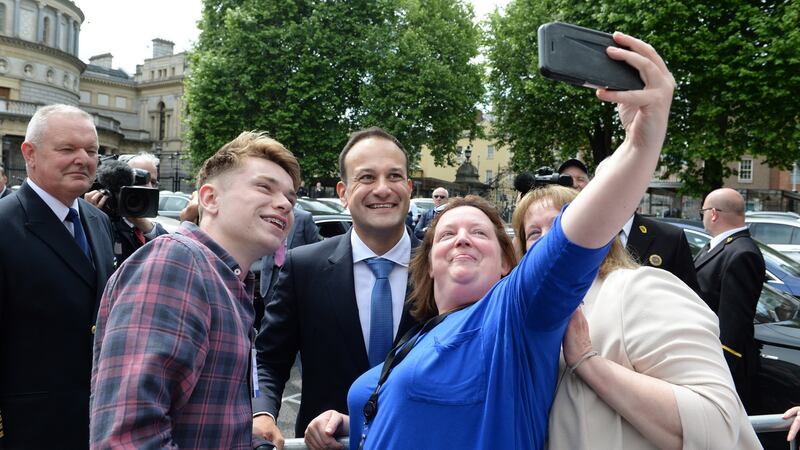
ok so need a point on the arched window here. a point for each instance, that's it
(46, 32)
(162, 121)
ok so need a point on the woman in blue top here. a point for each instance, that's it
(481, 373)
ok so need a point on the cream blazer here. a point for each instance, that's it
(648, 321)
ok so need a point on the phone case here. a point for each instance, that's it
(578, 56)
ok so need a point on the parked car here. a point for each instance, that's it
(417, 206)
(775, 214)
(315, 206)
(170, 204)
(782, 234)
(783, 273)
(169, 224)
(334, 203)
(777, 383)
(331, 225)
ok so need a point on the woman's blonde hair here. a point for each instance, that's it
(556, 197)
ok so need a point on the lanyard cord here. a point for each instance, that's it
(393, 359)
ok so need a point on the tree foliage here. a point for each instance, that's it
(308, 72)
(736, 64)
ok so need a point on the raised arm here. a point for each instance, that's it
(611, 198)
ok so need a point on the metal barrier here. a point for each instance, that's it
(771, 423)
(298, 444)
(761, 424)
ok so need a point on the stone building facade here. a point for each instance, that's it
(39, 65)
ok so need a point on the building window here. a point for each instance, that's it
(162, 121)
(46, 31)
(490, 152)
(152, 74)
(102, 99)
(746, 171)
(173, 71)
(121, 102)
(86, 97)
(2, 17)
(489, 175)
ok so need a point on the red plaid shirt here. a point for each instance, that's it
(172, 349)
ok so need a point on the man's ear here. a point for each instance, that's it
(208, 198)
(341, 191)
(28, 153)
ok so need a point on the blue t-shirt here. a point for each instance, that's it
(484, 377)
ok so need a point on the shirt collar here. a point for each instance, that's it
(192, 231)
(58, 208)
(724, 235)
(626, 229)
(400, 254)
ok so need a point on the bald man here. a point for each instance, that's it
(730, 273)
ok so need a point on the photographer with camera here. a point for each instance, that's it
(127, 190)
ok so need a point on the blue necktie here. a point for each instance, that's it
(380, 328)
(80, 235)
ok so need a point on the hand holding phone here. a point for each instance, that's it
(578, 56)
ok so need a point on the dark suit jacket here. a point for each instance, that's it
(6, 192)
(304, 231)
(731, 276)
(125, 241)
(423, 223)
(313, 310)
(663, 246)
(49, 294)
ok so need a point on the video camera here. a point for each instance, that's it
(543, 176)
(126, 189)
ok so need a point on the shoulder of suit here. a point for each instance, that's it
(317, 250)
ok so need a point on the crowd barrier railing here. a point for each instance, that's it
(761, 424)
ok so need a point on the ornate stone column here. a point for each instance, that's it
(16, 17)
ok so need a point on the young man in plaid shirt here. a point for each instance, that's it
(172, 349)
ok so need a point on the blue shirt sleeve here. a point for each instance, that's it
(552, 278)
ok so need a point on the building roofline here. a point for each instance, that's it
(71, 5)
(21, 43)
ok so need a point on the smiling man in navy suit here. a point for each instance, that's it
(55, 258)
(321, 305)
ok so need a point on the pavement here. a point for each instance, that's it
(290, 403)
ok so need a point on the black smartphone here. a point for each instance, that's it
(578, 56)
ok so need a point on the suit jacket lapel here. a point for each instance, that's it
(43, 223)
(703, 259)
(639, 242)
(340, 287)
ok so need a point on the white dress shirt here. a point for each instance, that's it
(722, 236)
(626, 231)
(59, 209)
(364, 280)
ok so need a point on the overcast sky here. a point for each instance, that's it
(126, 28)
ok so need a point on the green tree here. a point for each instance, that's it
(308, 72)
(736, 64)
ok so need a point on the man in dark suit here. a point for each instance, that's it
(439, 199)
(4, 190)
(304, 231)
(325, 304)
(660, 245)
(731, 274)
(55, 258)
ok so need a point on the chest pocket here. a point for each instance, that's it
(452, 373)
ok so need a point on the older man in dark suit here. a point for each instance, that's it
(730, 272)
(55, 258)
(325, 304)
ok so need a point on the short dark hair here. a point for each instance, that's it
(360, 135)
(573, 163)
(422, 301)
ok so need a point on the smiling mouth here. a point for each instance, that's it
(463, 257)
(381, 206)
(275, 221)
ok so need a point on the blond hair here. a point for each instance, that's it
(556, 197)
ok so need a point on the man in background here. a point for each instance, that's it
(440, 196)
(4, 190)
(577, 170)
(730, 272)
(55, 257)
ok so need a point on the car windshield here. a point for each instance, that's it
(424, 205)
(774, 306)
(777, 258)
